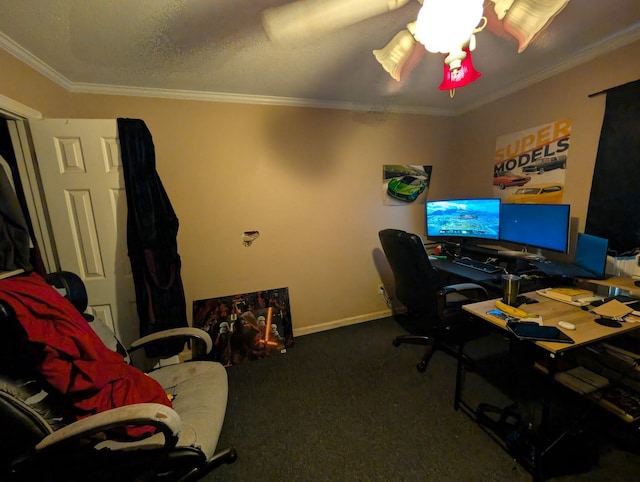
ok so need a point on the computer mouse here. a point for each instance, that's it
(566, 325)
(637, 283)
(608, 322)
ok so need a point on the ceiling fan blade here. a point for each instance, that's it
(305, 19)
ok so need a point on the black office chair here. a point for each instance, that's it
(433, 312)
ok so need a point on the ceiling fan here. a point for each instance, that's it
(307, 19)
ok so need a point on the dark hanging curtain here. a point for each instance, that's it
(614, 204)
(18, 248)
(152, 229)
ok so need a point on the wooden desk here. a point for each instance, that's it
(451, 273)
(625, 283)
(587, 330)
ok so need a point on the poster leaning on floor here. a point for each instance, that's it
(246, 326)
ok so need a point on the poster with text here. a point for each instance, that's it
(245, 327)
(530, 165)
(405, 184)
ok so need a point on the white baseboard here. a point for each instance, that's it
(330, 325)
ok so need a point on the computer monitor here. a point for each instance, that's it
(591, 253)
(463, 218)
(543, 226)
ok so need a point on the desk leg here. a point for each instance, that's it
(528, 461)
(459, 374)
(542, 445)
(546, 403)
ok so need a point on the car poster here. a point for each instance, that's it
(247, 326)
(530, 165)
(402, 185)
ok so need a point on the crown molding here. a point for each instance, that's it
(34, 62)
(621, 39)
(104, 89)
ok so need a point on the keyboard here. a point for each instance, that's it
(479, 265)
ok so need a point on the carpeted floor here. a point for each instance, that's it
(346, 404)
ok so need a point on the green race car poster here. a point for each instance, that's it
(405, 184)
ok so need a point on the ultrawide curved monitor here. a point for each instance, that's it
(543, 226)
(463, 218)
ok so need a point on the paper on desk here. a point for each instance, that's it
(532, 319)
(612, 309)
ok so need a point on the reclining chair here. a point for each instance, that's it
(43, 439)
(433, 312)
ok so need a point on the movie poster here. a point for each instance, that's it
(247, 326)
(530, 165)
(403, 185)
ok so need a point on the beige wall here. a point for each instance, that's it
(564, 96)
(22, 84)
(310, 179)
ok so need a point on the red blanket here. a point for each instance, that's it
(71, 357)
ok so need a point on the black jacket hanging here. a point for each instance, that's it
(152, 228)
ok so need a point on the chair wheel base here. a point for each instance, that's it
(396, 342)
(422, 367)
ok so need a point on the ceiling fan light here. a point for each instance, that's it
(456, 78)
(472, 43)
(501, 7)
(444, 24)
(455, 58)
(527, 18)
(395, 54)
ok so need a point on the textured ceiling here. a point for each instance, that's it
(217, 49)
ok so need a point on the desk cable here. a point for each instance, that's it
(387, 299)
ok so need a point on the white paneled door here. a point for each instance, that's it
(81, 174)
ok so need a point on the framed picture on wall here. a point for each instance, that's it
(530, 165)
(405, 184)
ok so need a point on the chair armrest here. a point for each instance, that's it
(185, 332)
(471, 290)
(157, 415)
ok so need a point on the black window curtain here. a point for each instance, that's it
(614, 204)
(152, 229)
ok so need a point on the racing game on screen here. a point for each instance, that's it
(467, 218)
